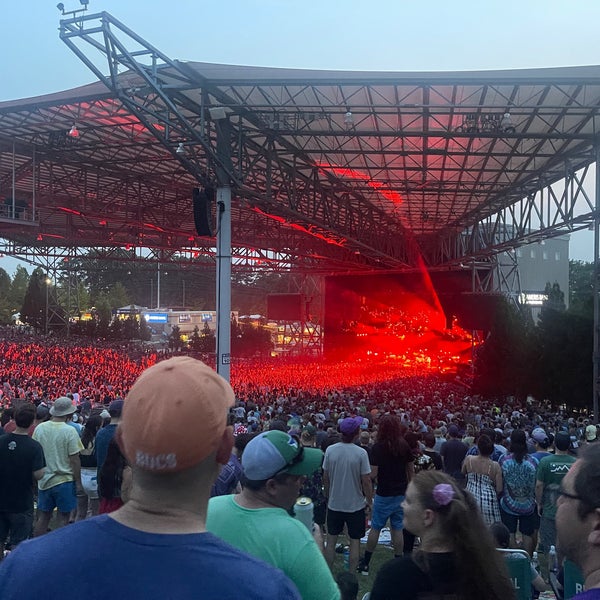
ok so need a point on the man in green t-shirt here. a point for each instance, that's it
(550, 473)
(257, 521)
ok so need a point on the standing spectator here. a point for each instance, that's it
(484, 480)
(517, 505)
(228, 481)
(74, 422)
(333, 437)
(114, 483)
(8, 420)
(541, 442)
(550, 473)
(257, 520)
(21, 462)
(436, 458)
(591, 434)
(440, 440)
(453, 453)
(88, 500)
(364, 441)
(321, 435)
(578, 518)
(425, 460)
(346, 476)
(42, 414)
(313, 485)
(61, 483)
(174, 432)
(457, 557)
(392, 468)
(498, 451)
(104, 435)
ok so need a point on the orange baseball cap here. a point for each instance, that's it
(174, 415)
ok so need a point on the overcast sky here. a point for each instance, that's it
(375, 35)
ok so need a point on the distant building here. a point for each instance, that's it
(540, 263)
(163, 320)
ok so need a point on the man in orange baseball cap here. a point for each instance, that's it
(175, 436)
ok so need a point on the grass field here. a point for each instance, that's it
(365, 582)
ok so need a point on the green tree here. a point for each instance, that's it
(103, 314)
(91, 328)
(130, 328)
(196, 340)
(18, 289)
(581, 287)
(501, 363)
(253, 340)
(72, 294)
(115, 330)
(555, 298)
(249, 290)
(5, 307)
(192, 284)
(33, 311)
(118, 296)
(208, 339)
(175, 338)
(145, 333)
(564, 351)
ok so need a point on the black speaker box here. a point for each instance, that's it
(202, 200)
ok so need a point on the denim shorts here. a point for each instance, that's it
(387, 507)
(89, 482)
(61, 496)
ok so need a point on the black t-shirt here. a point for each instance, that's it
(20, 456)
(391, 469)
(403, 579)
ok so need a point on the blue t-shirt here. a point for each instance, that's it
(99, 558)
(103, 438)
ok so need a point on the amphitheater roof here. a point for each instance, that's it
(330, 171)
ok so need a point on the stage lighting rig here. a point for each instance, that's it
(84, 7)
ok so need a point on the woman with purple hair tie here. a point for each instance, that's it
(457, 557)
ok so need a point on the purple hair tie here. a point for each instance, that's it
(443, 493)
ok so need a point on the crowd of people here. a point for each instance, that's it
(176, 466)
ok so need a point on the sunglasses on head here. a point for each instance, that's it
(296, 459)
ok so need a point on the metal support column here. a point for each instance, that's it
(596, 350)
(223, 300)
(158, 285)
(224, 281)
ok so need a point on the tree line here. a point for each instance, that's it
(53, 306)
(549, 359)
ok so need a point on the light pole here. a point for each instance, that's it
(47, 281)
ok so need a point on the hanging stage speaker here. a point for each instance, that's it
(202, 200)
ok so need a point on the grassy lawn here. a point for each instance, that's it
(365, 582)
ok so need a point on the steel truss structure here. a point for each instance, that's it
(330, 171)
